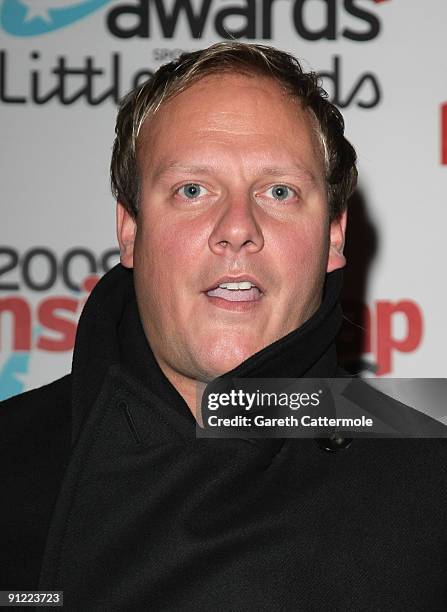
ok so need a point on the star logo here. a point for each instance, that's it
(35, 17)
(40, 9)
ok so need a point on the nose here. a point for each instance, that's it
(236, 228)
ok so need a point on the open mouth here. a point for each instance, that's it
(244, 291)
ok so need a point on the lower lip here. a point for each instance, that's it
(234, 306)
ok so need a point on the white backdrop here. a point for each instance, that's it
(64, 63)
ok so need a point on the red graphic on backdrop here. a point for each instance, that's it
(383, 329)
(56, 317)
(386, 342)
(444, 134)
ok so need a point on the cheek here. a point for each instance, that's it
(302, 250)
(166, 256)
(302, 256)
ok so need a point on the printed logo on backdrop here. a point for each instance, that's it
(42, 294)
(67, 81)
(373, 335)
(35, 17)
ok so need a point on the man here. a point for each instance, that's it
(231, 174)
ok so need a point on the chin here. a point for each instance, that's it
(218, 362)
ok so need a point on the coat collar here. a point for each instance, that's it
(110, 334)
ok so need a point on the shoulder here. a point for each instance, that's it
(35, 442)
(46, 406)
(57, 388)
(35, 428)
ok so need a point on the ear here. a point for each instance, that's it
(337, 234)
(126, 228)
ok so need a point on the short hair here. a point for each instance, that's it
(259, 60)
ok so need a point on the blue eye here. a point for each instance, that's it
(191, 191)
(281, 192)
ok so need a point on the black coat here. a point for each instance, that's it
(147, 517)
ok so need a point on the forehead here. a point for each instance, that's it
(231, 116)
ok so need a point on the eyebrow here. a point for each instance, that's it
(165, 169)
(297, 169)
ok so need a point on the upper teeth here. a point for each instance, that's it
(235, 286)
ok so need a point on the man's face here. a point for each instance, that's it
(232, 191)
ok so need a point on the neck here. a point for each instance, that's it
(188, 388)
